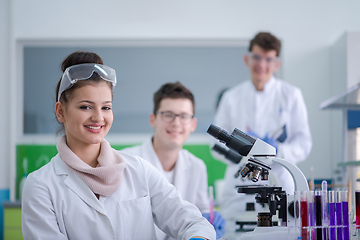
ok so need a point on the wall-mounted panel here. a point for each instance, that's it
(205, 69)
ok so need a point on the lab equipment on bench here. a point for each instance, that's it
(260, 156)
(245, 221)
(302, 214)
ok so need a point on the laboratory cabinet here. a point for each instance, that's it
(345, 105)
(345, 75)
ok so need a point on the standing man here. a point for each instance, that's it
(173, 120)
(267, 108)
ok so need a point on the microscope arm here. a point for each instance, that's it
(300, 181)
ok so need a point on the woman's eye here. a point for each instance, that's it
(107, 108)
(85, 107)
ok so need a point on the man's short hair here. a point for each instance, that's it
(174, 91)
(266, 41)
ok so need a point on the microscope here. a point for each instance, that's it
(260, 156)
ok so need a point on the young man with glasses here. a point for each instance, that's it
(267, 108)
(173, 120)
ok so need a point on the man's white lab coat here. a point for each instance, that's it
(190, 175)
(264, 112)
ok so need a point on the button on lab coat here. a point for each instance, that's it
(57, 204)
(264, 112)
(190, 175)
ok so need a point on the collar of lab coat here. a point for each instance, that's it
(76, 184)
(268, 87)
(155, 161)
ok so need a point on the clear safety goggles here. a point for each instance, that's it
(256, 58)
(83, 72)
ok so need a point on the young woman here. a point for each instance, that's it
(91, 191)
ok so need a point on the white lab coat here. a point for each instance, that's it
(264, 112)
(57, 204)
(190, 176)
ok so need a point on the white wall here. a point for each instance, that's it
(353, 59)
(4, 96)
(307, 29)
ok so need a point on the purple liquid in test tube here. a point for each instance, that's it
(338, 210)
(332, 216)
(311, 210)
(345, 211)
(312, 213)
(345, 206)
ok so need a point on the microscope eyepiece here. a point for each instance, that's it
(219, 149)
(237, 141)
(228, 153)
(218, 133)
(241, 144)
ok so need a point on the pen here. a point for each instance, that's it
(211, 195)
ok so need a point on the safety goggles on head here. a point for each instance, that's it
(83, 72)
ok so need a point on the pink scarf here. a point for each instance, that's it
(106, 177)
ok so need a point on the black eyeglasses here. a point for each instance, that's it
(168, 116)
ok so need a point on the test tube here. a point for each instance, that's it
(318, 215)
(324, 208)
(338, 210)
(211, 196)
(304, 215)
(357, 205)
(295, 231)
(311, 210)
(345, 215)
(332, 216)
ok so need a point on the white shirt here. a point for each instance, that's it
(190, 175)
(264, 112)
(57, 204)
(169, 175)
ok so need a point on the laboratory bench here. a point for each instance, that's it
(12, 220)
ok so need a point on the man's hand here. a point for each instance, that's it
(218, 223)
